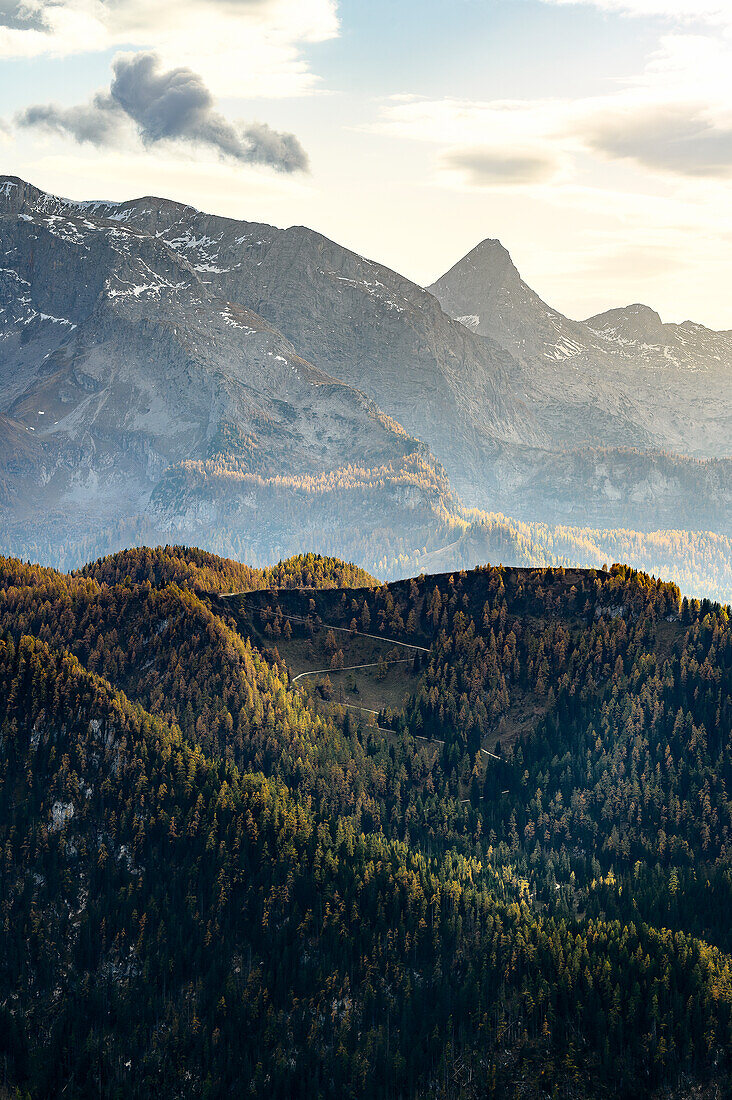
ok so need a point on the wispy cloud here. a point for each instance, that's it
(489, 167)
(161, 105)
(682, 138)
(675, 118)
(686, 11)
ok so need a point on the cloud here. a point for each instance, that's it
(241, 48)
(494, 124)
(165, 106)
(485, 144)
(21, 15)
(267, 146)
(680, 138)
(669, 121)
(674, 117)
(485, 167)
(646, 261)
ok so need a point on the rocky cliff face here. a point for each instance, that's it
(356, 320)
(485, 292)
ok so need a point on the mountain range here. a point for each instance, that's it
(165, 372)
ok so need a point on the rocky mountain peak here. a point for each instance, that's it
(18, 197)
(484, 290)
(636, 322)
(491, 258)
(15, 194)
(474, 284)
(161, 361)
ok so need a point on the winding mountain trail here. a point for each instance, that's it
(343, 630)
(347, 668)
(383, 729)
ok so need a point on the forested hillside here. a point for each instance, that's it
(217, 880)
(201, 571)
(699, 562)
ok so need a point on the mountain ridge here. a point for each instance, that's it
(288, 255)
(620, 378)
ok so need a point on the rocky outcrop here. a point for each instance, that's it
(355, 319)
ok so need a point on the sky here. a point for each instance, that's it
(593, 138)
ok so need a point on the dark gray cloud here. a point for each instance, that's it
(164, 106)
(268, 146)
(173, 104)
(488, 167)
(679, 138)
(18, 15)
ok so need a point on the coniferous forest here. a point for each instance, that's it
(218, 878)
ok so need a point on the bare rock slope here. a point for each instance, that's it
(124, 372)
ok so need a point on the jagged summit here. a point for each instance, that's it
(15, 193)
(356, 319)
(157, 359)
(490, 257)
(485, 291)
(17, 196)
(597, 381)
(472, 289)
(133, 382)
